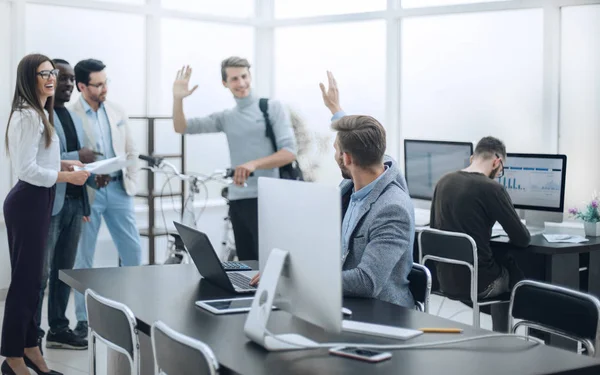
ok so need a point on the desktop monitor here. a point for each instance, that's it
(304, 220)
(425, 162)
(536, 182)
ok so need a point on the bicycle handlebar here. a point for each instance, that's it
(157, 163)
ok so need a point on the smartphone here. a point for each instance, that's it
(367, 355)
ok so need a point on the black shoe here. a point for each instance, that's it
(66, 339)
(81, 329)
(6, 369)
(32, 366)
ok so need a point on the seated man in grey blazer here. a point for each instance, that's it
(378, 216)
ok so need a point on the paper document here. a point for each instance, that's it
(107, 166)
(566, 238)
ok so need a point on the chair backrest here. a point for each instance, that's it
(177, 354)
(453, 248)
(447, 247)
(114, 324)
(419, 283)
(557, 310)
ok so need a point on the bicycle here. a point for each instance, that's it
(176, 250)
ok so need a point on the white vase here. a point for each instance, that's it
(592, 229)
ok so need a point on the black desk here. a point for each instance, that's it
(554, 263)
(559, 263)
(168, 293)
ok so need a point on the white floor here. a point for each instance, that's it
(75, 362)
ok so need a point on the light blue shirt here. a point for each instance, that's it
(338, 115)
(356, 201)
(99, 120)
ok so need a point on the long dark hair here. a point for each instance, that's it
(27, 96)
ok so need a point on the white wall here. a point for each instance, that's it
(5, 98)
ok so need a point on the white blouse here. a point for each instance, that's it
(32, 161)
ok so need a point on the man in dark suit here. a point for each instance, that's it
(71, 209)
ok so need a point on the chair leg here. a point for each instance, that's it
(476, 323)
(92, 354)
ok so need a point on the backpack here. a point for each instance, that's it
(290, 171)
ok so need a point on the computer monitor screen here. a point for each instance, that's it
(535, 181)
(425, 162)
(304, 219)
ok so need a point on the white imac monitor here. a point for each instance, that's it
(536, 185)
(299, 256)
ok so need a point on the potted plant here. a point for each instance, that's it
(590, 216)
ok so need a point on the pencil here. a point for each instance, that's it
(441, 330)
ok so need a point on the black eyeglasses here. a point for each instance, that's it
(100, 85)
(45, 74)
(502, 165)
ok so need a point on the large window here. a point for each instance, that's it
(202, 46)
(230, 8)
(580, 100)
(307, 8)
(99, 35)
(430, 3)
(471, 75)
(354, 52)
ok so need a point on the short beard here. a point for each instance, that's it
(345, 173)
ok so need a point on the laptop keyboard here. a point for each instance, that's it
(240, 281)
(235, 266)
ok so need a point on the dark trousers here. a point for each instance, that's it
(27, 211)
(61, 250)
(244, 219)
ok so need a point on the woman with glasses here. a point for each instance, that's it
(33, 147)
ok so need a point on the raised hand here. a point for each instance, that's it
(331, 96)
(181, 85)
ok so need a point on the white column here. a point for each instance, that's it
(263, 73)
(393, 78)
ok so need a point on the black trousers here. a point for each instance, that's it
(244, 219)
(27, 211)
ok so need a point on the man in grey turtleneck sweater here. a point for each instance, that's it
(250, 149)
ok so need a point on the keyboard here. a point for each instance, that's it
(236, 266)
(240, 281)
(499, 232)
(379, 330)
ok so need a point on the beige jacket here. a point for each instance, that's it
(122, 141)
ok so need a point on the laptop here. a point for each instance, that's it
(208, 264)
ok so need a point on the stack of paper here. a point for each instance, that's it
(566, 238)
(107, 166)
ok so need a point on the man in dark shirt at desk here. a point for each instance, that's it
(471, 202)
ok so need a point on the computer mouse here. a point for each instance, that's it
(346, 311)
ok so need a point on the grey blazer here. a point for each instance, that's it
(378, 258)
(61, 188)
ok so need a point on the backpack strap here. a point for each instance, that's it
(263, 104)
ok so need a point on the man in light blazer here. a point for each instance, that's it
(108, 134)
(71, 208)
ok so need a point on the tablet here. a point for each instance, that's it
(227, 306)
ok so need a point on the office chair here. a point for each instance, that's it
(556, 310)
(458, 249)
(114, 324)
(419, 283)
(177, 354)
